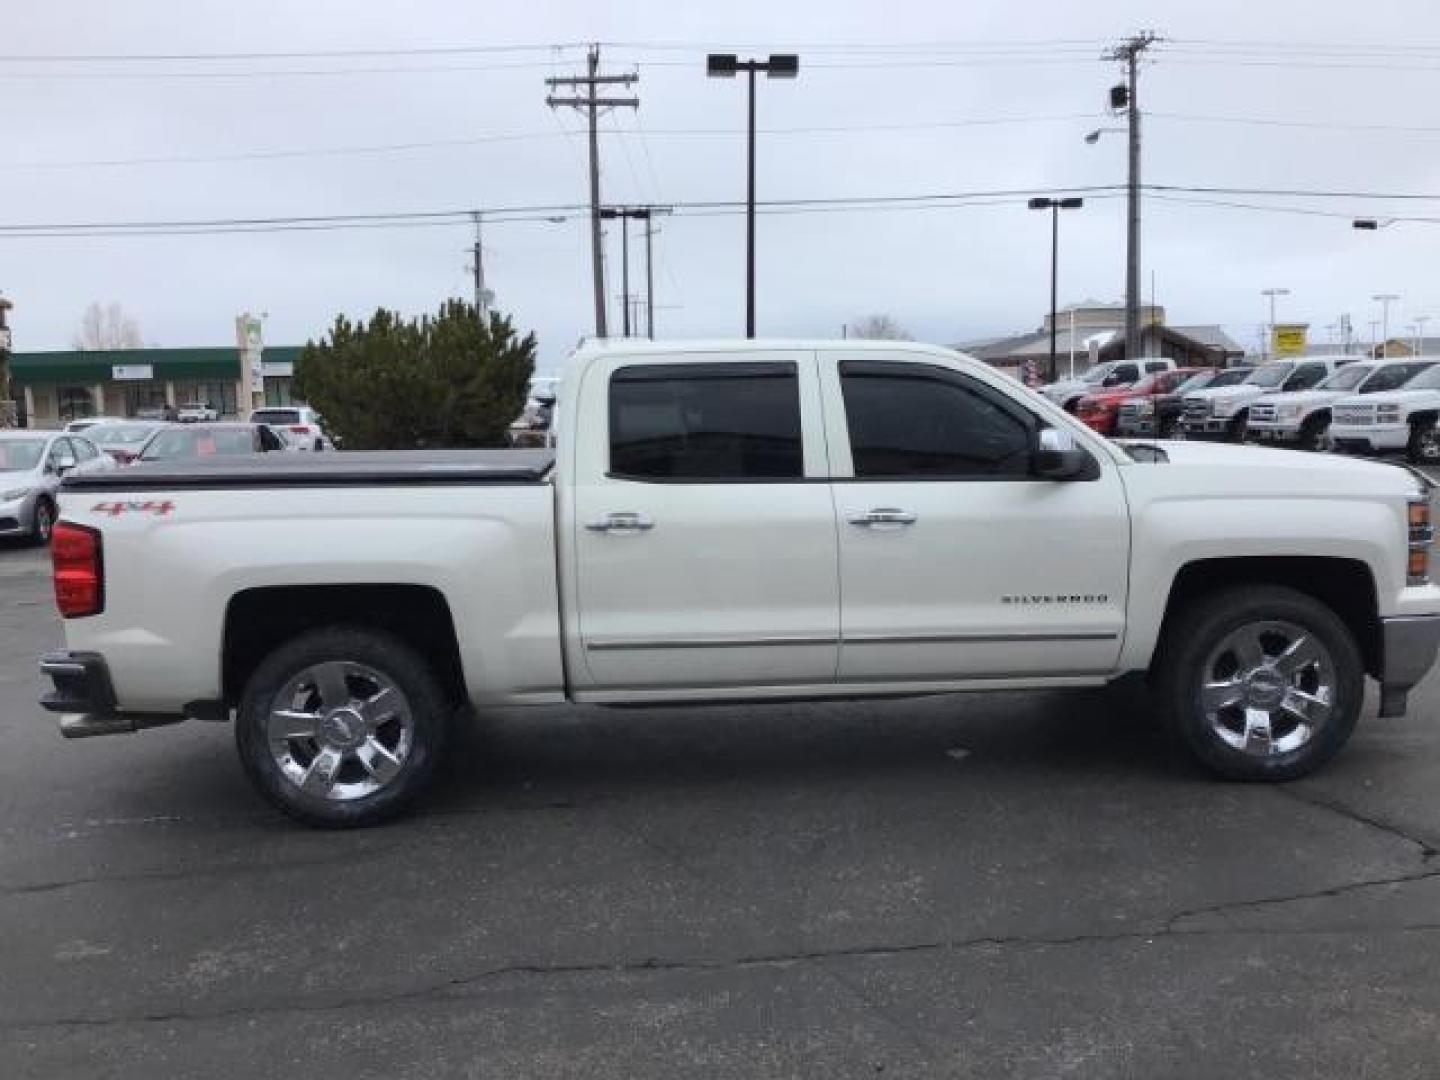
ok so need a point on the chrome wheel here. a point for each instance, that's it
(1267, 687)
(340, 730)
(1427, 445)
(44, 522)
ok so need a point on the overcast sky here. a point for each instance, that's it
(902, 81)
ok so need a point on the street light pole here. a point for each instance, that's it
(727, 66)
(1385, 300)
(1420, 321)
(1270, 327)
(1055, 206)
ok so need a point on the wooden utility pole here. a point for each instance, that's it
(1128, 53)
(591, 104)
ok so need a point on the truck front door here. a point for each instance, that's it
(956, 562)
(701, 527)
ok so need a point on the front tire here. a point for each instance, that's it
(44, 522)
(1424, 446)
(1260, 682)
(1314, 434)
(342, 727)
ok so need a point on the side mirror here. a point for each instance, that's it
(1057, 456)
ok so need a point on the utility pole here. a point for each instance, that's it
(649, 282)
(591, 104)
(1385, 300)
(477, 268)
(645, 214)
(1127, 96)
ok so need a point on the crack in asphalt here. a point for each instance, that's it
(1291, 898)
(1427, 850)
(453, 988)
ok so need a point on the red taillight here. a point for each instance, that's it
(75, 552)
(299, 429)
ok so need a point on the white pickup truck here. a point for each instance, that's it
(738, 522)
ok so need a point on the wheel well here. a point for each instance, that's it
(1322, 413)
(1424, 416)
(1343, 585)
(259, 620)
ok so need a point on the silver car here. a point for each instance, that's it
(31, 465)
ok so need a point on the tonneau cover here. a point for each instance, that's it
(382, 468)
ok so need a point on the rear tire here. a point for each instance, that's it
(1260, 682)
(342, 727)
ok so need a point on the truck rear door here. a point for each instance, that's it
(701, 527)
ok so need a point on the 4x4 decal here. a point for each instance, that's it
(158, 507)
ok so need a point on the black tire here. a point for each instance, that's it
(44, 522)
(1238, 427)
(429, 707)
(319, 446)
(1424, 445)
(1169, 428)
(1312, 433)
(1180, 672)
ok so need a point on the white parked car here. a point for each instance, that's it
(1301, 418)
(1067, 392)
(1223, 411)
(198, 412)
(741, 521)
(300, 424)
(1393, 421)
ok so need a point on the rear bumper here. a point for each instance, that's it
(85, 698)
(1409, 644)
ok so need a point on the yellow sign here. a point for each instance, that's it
(1288, 339)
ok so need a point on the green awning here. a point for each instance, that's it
(87, 367)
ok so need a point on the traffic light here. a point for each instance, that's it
(1119, 96)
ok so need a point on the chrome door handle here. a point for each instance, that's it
(620, 522)
(881, 515)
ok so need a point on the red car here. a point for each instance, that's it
(1099, 410)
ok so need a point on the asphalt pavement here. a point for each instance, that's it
(1022, 885)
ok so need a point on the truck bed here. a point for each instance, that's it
(380, 468)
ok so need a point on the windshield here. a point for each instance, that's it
(1347, 378)
(1270, 375)
(1097, 374)
(1391, 376)
(1196, 382)
(20, 455)
(276, 416)
(1429, 379)
(120, 434)
(198, 442)
(1232, 377)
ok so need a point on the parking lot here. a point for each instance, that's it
(995, 885)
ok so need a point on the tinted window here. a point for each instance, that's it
(1125, 373)
(706, 422)
(1230, 377)
(1392, 376)
(269, 440)
(276, 416)
(1160, 366)
(907, 420)
(1306, 376)
(1196, 382)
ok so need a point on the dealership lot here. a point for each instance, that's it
(1026, 885)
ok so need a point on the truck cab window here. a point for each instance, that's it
(706, 422)
(910, 421)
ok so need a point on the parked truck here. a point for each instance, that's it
(738, 522)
